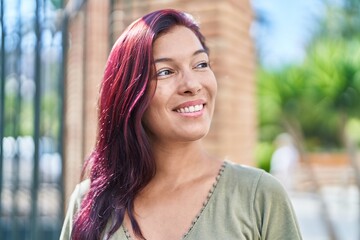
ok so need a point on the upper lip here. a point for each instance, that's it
(190, 103)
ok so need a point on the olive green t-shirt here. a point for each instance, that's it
(245, 203)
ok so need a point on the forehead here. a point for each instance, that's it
(178, 41)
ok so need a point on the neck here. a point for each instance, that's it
(179, 161)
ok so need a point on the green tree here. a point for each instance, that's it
(315, 100)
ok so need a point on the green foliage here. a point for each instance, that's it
(318, 96)
(57, 3)
(334, 66)
(19, 115)
(9, 114)
(353, 130)
(50, 115)
(263, 153)
(341, 20)
(315, 100)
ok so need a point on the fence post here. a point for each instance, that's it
(35, 176)
(2, 98)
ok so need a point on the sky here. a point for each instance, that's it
(290, 26)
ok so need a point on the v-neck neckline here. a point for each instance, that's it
(204, 205)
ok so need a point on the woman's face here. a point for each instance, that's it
(183, 103)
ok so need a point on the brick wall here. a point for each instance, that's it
(226, 26)
(74, 98)
(86, 57)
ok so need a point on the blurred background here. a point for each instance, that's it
(289, 101)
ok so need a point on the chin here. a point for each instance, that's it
(195, 136)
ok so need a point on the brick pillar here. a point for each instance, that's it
(97, 51)
(74, 98)
(235, 116)
(87, 55)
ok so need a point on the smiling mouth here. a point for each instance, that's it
(190, 109)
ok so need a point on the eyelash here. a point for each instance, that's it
(169, 72)
(203, 63)
(160, 73)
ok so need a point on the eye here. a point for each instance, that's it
(202, 65)
(164, 72)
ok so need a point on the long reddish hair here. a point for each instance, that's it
(122, 162)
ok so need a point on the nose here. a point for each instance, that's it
(190, 83)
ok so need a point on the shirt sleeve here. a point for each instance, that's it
(74, 205)
(274, 215)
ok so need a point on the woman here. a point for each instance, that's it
(150, 177)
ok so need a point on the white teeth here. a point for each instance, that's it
(190, 109)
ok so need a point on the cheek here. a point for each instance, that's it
(153, 112)
(212, 84)
(215, 86)
(150, 91)
(150, 121)
(149, 115)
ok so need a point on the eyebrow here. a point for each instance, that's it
(170, 59)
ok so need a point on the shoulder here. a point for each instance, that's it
(79, 193)
(74, 204)
(82, 188)
(239, 170)
(237, 174)
(247, 175)
(255, 183)
(264, 198)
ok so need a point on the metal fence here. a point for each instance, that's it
(31, 113)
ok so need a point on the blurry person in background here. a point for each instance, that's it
(149, 174)
(284, 160)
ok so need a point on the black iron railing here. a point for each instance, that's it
(31, 120)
